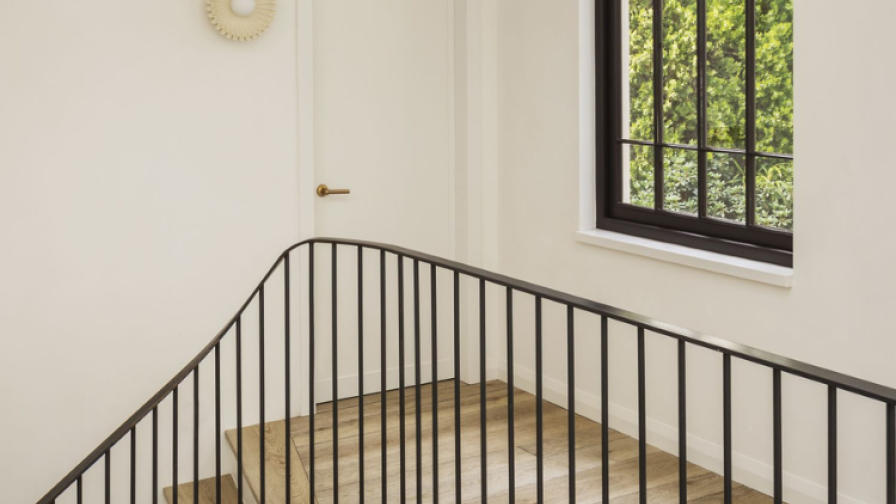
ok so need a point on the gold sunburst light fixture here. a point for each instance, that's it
(241, 26)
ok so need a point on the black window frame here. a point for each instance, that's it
(746, 240)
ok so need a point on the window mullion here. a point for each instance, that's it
(658, 103)
(702, 194)
(750, 17)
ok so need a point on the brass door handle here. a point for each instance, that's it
(323, 191)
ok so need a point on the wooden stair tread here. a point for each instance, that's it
(207, 492)
(276, 449)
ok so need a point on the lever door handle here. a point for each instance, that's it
(324, 191)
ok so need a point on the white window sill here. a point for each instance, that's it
(756, 271)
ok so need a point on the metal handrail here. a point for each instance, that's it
(729, 349)
(791, 366)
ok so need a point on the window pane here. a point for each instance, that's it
(774, 193)
(680, 181)
(680, 71)
(774, 76)
(638, 181)
(726, 73)
(637, 68)
(726, 186)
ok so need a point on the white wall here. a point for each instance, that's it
(836, 315)
(147, 180)
(123, 176)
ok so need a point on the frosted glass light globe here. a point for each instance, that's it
(242, 7)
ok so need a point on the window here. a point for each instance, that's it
(695, 123)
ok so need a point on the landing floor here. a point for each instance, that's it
(662, 468)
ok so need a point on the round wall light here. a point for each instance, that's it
(241, 19)
(243, 7)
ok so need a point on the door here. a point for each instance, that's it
(382, 121)
(382, 129)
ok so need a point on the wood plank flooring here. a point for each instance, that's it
(703, 486)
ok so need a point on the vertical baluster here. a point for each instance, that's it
(133, 465)
(80, 491)
(435, 384)
(605, 410)
(196, 435)
(311, 375)
(174, 401)
(361, 373)
(218, 423)
(642, 419)
(401, 399)
(891, 453)
(108, 470)
(457, 430)
(511, 434)
(418, 419)
(384, 459)
(539, 398)
(483, 447)
(239, 407)
(832, 444)
(155, 458)
(334, 340)
(728, 452)
(261, 389)
(287, 382)
(682, 423)
(778, 438)
(571, 398)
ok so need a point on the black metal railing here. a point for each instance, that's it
(73, 483)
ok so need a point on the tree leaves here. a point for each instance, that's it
(726, 106)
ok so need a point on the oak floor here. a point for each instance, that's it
(662, 468)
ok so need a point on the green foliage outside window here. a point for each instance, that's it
(726, 107)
